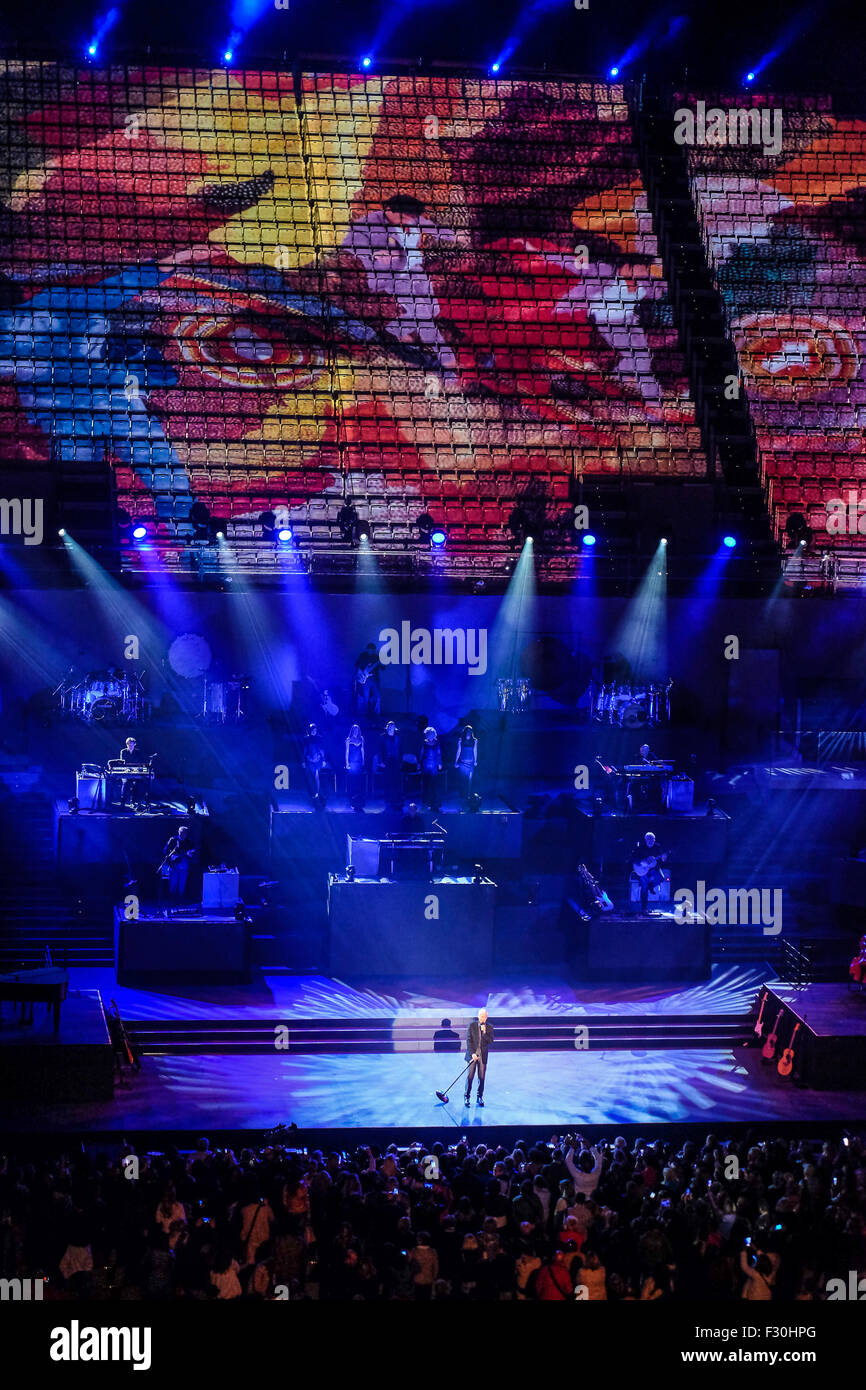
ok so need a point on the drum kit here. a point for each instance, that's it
(114, 696)
(515, 696)
(632, 705)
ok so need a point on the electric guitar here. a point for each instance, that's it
(786, 1061)
(364, 672)
(768, 1051)
(759, 1026)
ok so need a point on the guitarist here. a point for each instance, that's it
(174, 869)
(365, 685)
(645, 860)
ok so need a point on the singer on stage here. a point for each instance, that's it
(479, 1038)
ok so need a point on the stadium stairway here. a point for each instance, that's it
(36, 912)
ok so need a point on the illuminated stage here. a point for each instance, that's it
(324, 1054)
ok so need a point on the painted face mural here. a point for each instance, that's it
(784, 238)
(240, 290)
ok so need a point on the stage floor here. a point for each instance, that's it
(547, 1090)
(829, 1010)
(730, 990)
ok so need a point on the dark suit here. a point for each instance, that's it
(479, 1043)
(653, 877)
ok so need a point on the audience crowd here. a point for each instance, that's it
(563, 1219)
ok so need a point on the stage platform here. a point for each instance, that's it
(39, 1064)
(644, 948)
(367, 1055)
(830, 1044)
(199, 946)
(560, 1091)
(438, 926)
(300, 832)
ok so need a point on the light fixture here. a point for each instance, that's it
(438, 538)
(729, 541)
(588, 538)
(285, 534)
(614, 72)
(366, 61)
(139, 529)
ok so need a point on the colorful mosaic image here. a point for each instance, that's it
(786, 238)
(251, 290)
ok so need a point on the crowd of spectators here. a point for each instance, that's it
(652, 1219)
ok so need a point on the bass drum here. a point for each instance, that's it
(634, 715)
(107, 707)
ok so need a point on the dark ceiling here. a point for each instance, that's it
(820, 46)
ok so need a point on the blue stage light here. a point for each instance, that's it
(285, 534)
(750, 77)
(438, 538)
(588, 538)
(614, 72)
(496, 67)
(729, 541)
(228, 55)
(139, 531)
(91, 49)
(366, 62)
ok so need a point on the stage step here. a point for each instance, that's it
(520, 1034)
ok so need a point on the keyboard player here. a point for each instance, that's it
(130, 757)
(646, 787)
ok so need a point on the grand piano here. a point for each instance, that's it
(48, 984)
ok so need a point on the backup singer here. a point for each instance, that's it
(466, 760)
(389, 761)
(479, 1038)
(356, 759)
(431, 768)
(315, 761)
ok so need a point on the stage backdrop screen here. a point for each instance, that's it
(779, 184)
(256, 288)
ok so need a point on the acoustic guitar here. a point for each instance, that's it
(768, 1051)
(786, 1061)
(642, 867)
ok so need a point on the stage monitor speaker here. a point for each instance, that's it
(219, 889)
(88, 788)
(363, 855)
